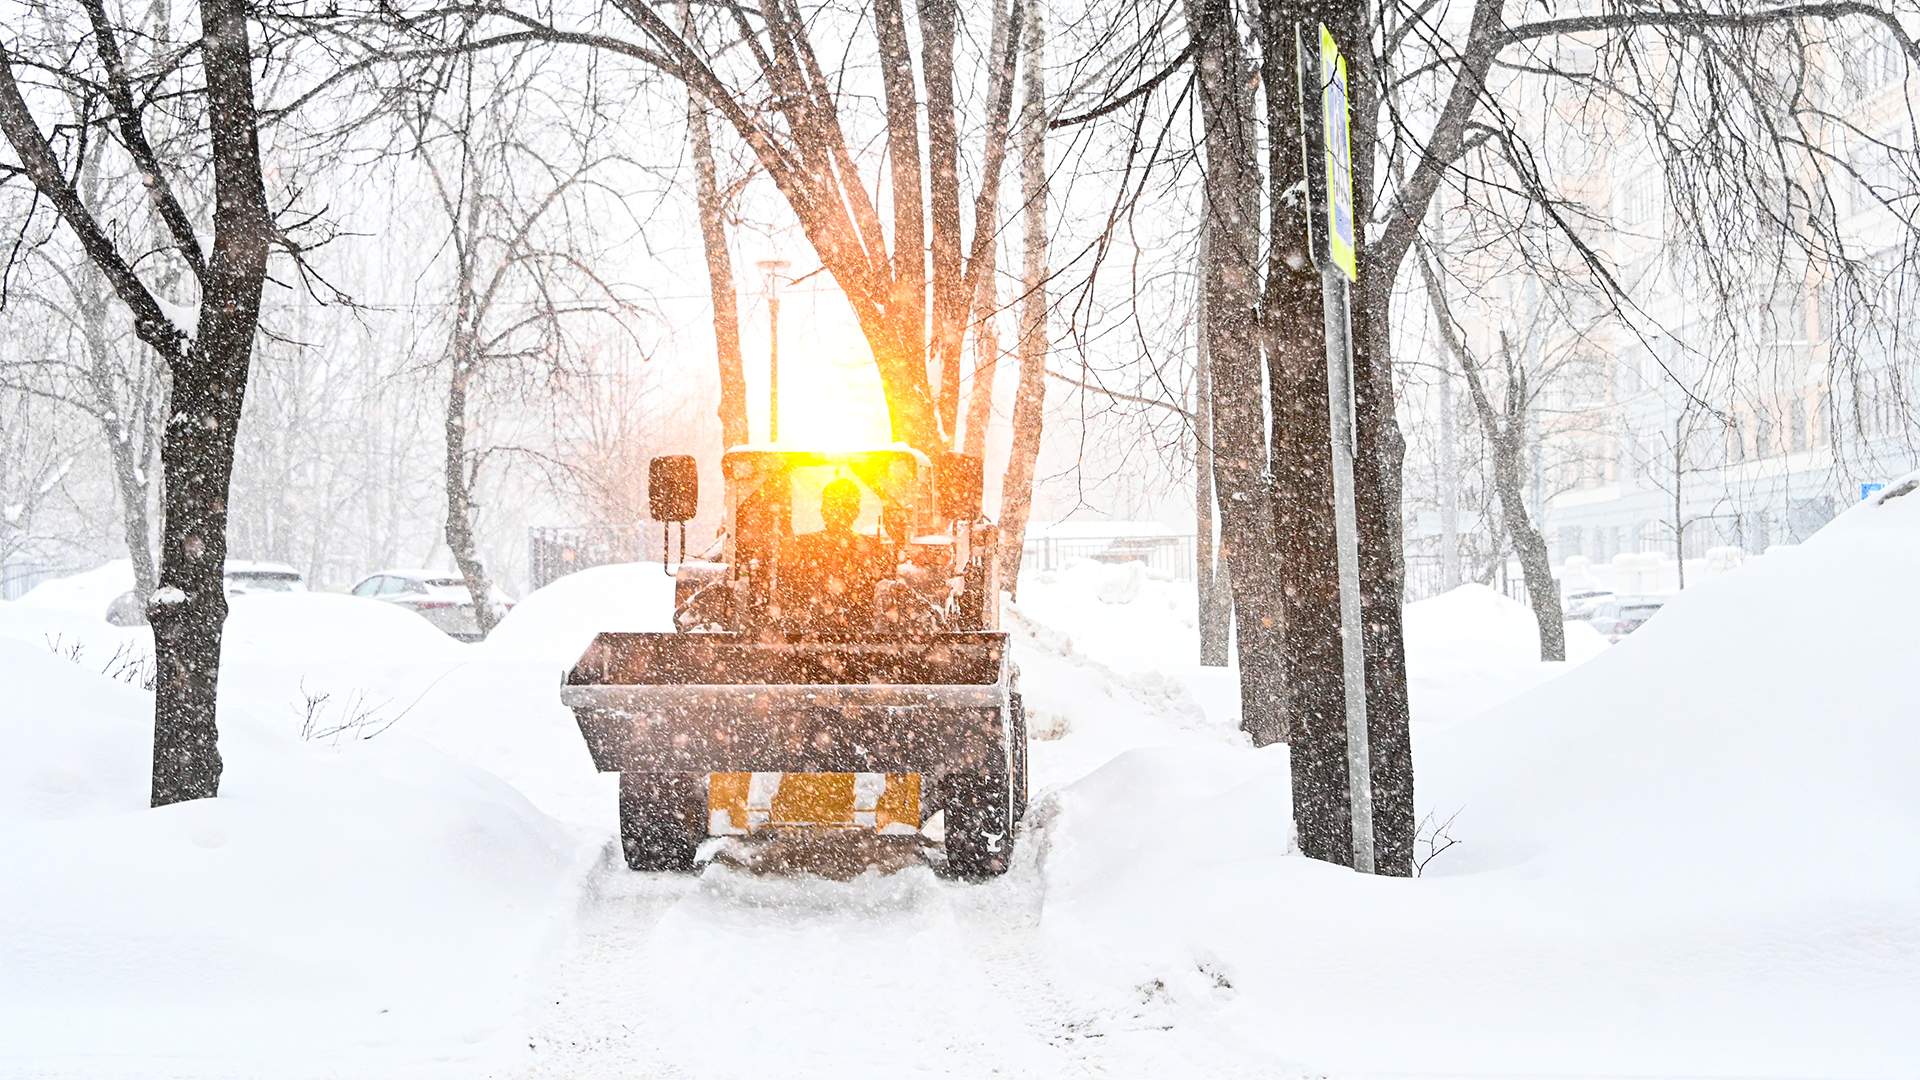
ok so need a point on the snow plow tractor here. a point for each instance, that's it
(836, 663)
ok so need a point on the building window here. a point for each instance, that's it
(1876, 62)
(1797, 424)
(1640, 201)
(1763, 437)
(1787, 314)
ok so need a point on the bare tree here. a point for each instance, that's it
(98, 79)
(762, 74)
(1505, 427)
(518, 276)
(711, 202)
(1677, 455)
(90, 365)
(34, 459)
(612, 427)
(1029, 403)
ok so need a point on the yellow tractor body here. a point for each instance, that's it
(870, 695)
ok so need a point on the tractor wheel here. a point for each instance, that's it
(979, 809)
(1022, 785)
(663, 818)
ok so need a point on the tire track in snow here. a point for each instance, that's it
(1145, 1039)
(737, 975)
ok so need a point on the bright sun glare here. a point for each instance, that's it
(830, 402)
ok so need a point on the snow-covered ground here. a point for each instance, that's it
(1684, 855)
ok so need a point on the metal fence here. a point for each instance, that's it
(1426, 578)
(1171, 556)
(18, 579)
(554, 551)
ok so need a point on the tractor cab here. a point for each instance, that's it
(843, 542)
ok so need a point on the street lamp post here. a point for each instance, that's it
(770, 270)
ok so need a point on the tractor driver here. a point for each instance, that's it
(829, 576)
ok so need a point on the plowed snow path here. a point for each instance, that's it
(733, 975)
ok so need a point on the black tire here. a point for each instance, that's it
(979, 809)
(1022, 784)
(663, 818)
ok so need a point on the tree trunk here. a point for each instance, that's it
(1535, 567)
(127, 426)
(983, 269)
(459, 481)
(1030, 399)
(1230, 284)
(726, 312)
(906, 308)
(189, 609)
(899, 352)
(986, 360)
(1212, 604)
(1679, 519)
(1449, 490)
(1377, 477)
(1302, 453)
(950, 301)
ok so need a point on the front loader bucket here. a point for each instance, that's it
(727, 703)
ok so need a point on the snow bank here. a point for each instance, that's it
(1471, 648)
(86, 593)
(1685, 857)
(375, 902)
(1762, 720)
(272, 642)
(557, 623)
(1106, 656)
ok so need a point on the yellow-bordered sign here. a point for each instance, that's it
(1333, 119)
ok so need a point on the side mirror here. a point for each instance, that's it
(957, 480)
(673, 488)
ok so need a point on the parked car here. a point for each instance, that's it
(1622, 615)
(257, 577)
(1582, 603)
(242, 577)
(442, 599)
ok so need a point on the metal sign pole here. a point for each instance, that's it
(1347, 536)
(1330, 155)
(770, 270)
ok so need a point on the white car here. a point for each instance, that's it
(257, 577)
(242, 577)
(1581, 604)
(440, 598)
(1619, 616)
